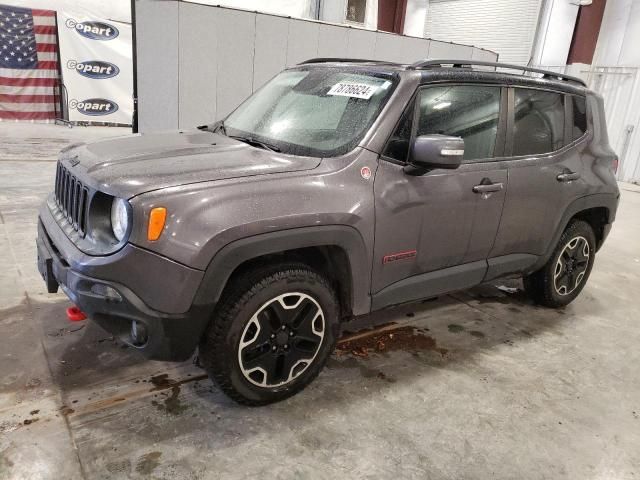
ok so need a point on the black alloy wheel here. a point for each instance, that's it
(561, 279)
(571, 265)
(271, 333)
(281, 340)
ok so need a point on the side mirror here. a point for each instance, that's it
(436, 151)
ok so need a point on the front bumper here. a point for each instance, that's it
(113, 305)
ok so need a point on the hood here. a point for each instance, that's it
(131, 165)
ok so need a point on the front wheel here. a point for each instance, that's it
(271, 334)
(563, 277)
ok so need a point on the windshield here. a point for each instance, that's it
(317, 112)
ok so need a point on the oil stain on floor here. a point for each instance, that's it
(148, 462)
(408, 339)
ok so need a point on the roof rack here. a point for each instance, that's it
(346, 60)
(426, 64)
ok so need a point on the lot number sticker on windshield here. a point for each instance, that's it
(356, 90)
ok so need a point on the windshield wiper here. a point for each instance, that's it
(214, 128)
(255, 143)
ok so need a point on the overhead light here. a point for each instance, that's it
(441, 105)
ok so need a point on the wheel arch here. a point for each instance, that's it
(598, 210)
(597, 218)
(336, 251)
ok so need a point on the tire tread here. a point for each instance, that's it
(539, 284)
(213, 350)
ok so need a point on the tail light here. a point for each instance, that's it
(614, 164)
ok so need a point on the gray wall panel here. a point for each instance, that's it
(236, 34)
(157, 46)
(333, 41)
(198, 66)
(303, 41)
(388, 47)
(362, 43)
(271, 48)
(484, 55)
(446, 50)
(196, 63)
(414, 49)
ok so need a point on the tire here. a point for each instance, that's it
(271, 334)
(564, 276)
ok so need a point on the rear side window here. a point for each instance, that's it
(538, 123)
(579, 117)
(468, 111)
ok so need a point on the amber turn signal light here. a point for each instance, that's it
(157, 218)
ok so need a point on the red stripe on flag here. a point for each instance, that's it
(44, 29)
(47, 65)
(27, 115)
(27, 98)
(28, 82)
(43, 13)
(46, 47)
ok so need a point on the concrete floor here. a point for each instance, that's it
(494, 388)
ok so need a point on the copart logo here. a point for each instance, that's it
(93, 30)
(96, 69)
(94, 106)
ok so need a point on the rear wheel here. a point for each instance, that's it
(272, 334)
(563, 277)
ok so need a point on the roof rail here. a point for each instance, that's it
(346, 60)
(426, 64)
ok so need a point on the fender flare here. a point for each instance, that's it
(598, 200)
(232, 255)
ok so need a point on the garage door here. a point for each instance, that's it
(507, 27)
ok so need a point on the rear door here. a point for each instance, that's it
(434, 231)
(545, 142)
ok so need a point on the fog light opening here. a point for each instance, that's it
(108, 293)
(139, 335)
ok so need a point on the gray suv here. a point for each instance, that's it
(339, 188)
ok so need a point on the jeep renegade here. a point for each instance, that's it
(339, 188)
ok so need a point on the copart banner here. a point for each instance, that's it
(97, 68)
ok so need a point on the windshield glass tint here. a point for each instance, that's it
(319, 112)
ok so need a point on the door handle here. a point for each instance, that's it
(568, 177)
(488, 188)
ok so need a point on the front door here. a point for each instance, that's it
(434, 231)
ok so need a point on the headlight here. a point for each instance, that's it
(119, 218)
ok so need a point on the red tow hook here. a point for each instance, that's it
(74, 314)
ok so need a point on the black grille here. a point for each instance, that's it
(71, 197)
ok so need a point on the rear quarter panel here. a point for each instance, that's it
(597, 173)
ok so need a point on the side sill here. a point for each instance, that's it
(430, 284)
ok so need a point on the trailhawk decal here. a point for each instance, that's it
(399, 256)
(355, 90)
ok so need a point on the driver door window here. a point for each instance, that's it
(471, 112)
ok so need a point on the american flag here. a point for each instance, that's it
(28, 64)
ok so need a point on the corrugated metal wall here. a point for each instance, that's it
(506, 27)
(620, 90)
(196, 63)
